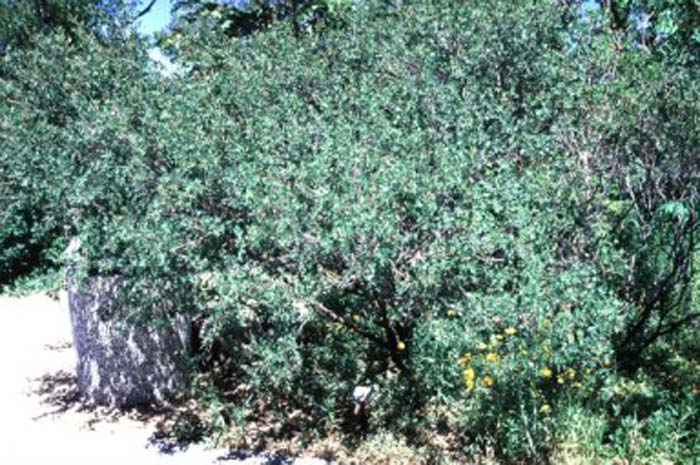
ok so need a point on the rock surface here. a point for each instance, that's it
(121, 364)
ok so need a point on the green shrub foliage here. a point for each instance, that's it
(485, 210)
(63, 76)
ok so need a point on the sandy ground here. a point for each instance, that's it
(41, 421)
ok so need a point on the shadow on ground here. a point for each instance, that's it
(175, 428)
(60, 394)
(266, 459)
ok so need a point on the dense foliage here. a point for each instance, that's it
(486, 211)
(59, 68)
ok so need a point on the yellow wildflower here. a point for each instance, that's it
(356, 317)
(546, 372)
(511, 331)
(481, 346)
(469, 376)
(401, 346)
(561, 380)
(571, 373)
(452, 312)
(499, 337)
(545, 409)
(487, 381)
(492, 357)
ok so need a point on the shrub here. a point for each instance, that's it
(484, 212)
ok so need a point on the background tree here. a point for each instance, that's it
(675, 23)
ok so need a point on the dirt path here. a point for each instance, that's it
(40, 420)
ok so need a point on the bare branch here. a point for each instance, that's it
(146, 10)
(347, 323)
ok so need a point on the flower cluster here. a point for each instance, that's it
(516, 353)
(489, 358)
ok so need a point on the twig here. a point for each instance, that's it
(145, 10)
(349, 324)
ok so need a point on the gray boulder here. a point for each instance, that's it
(122, 364)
